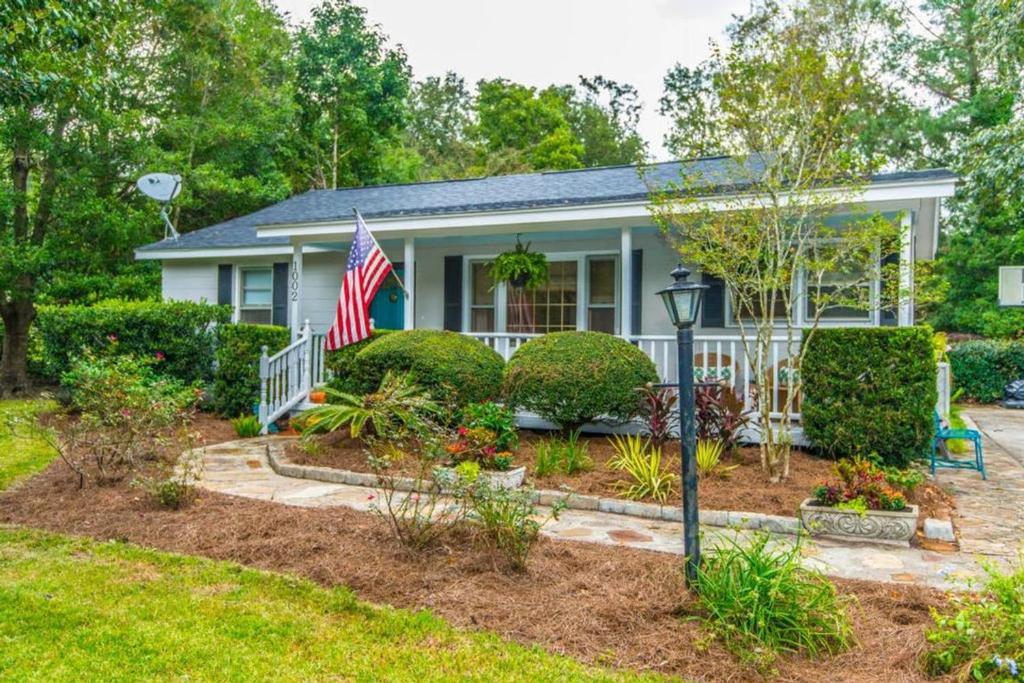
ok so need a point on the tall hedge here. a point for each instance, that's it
(181, 333)
(452, 366)
(572, 378)
(870, 390)
(236, 382)
(982, 368)
(342, 363)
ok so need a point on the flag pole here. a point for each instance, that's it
(401, 284)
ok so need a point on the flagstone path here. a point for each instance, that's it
(240, 468)
(992, 512)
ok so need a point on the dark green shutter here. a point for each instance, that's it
(636, 287)
(280, 315)
(224, 288)
(453, 293)
(713, 309)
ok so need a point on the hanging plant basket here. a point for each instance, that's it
(520, 267)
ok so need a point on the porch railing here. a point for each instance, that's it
(716, 357)
(286, 378)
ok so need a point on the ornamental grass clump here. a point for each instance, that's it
(980, 637)
(760, 601)
(635, 456)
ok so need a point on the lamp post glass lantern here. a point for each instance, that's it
(682, 300)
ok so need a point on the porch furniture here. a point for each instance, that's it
(940, 448)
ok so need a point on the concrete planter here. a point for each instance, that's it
(508, 479)
(876, 526)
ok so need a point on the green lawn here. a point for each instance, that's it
(77, 609)
(21, 453)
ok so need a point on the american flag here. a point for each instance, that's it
(364, 274)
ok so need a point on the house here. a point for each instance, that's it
(283, 264)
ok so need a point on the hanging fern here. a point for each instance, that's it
(520, 267)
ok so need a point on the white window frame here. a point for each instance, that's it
(242, 270)
(582, 259)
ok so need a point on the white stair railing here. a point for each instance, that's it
(285, 378)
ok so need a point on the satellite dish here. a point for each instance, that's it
(162, 187)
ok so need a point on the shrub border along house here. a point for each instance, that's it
(236, 381)
(870, 391)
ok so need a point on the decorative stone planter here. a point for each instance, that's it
(508, 479)
(875, 526)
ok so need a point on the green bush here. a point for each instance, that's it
(180, 334)
(572, 378)
(342, 363)
(759, 600)
(451, 366)
(870, 391)
(980, 638)
(236, 382)
(983, 367)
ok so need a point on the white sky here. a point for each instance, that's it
(540, 42)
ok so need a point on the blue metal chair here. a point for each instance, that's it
(941, 443)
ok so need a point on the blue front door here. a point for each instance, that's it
(388, 308)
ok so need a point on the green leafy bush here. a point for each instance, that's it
(508, 519)
(453, 367)
(983, 367)
(572, 378)
(980, 638)
(236, 382)
(181, 334)
(342, 364)
(870, 391)
(246, 426)
(759, 600)
(495, 418)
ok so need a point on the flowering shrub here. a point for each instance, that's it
(495, 418)
(481, 446)
(860, 485)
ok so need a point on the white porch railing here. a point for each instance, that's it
(716, 357)
(286, 378)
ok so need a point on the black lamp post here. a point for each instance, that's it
(682, 301)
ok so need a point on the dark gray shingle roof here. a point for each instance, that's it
(531, 190)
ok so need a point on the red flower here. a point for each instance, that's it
(112, 338)
(463, 431)
(490, 450)
(160, 355)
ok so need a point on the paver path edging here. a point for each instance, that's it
(751, 521)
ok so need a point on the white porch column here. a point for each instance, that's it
(409, 279)
(626, 283)
(295, 292)
(905, 314)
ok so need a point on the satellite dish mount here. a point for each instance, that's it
(162, 187)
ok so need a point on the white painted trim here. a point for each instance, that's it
(523, 219)
(905, 311)
(221, 253)
(409, 276)
(625, 293)
(295, 292)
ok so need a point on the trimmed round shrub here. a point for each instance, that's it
(571, 378)
(342, 363)
(236, 382)
(451, 366)
(983, 367)
(870, 391)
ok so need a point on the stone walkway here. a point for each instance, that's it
(992, 512)
(240, 468)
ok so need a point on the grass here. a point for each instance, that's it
(21, 453)
(75, 609)
(83, 610)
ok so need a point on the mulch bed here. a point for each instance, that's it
(742, 489)
(623, 608)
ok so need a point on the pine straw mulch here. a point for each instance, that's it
(621, 608)
(742, 489)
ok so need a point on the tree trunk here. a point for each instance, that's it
(17, 316)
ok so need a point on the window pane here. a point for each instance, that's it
(481, 320)
(861, 296)
(601, 320)
(602, 281)
(258, 316)
(550, 308)
(779, 309)
(256, 279)
(256, 297)
(480, 277)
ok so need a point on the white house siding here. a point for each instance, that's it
(190, 280)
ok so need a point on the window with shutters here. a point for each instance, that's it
(257, 300)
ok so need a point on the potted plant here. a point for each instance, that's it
(480, 446)
(520, 267)
(860, 503)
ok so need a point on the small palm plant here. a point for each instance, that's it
(635, 456)
(398, 404)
